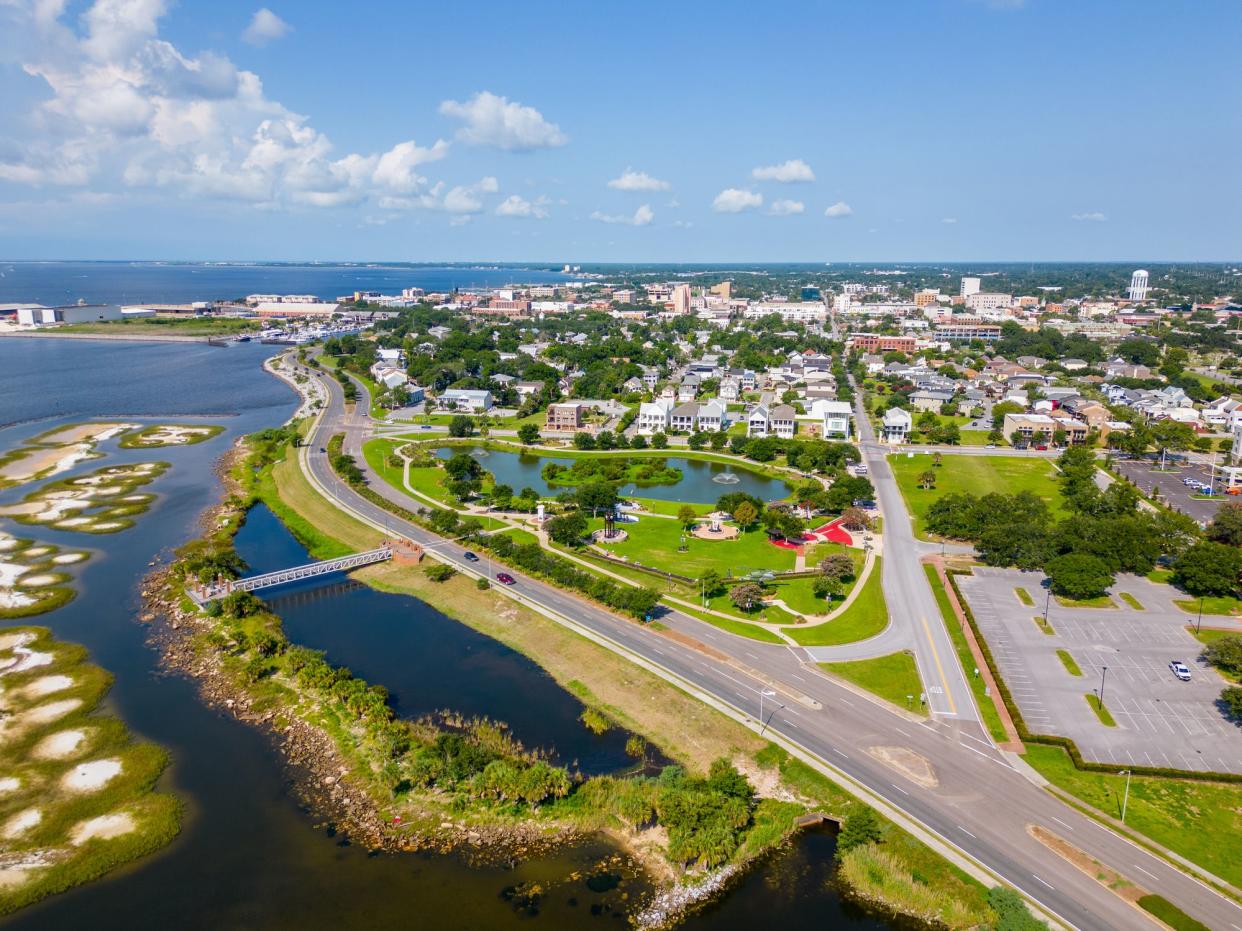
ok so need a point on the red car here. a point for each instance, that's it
(505, 579)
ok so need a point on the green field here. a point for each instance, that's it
(865, 617)
(976, 475)
(1212, 604)
(165, 326)
(740, 628)
(1200, 821)
(653, 542)
(894, 678)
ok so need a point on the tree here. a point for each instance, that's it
(596, 496)
(745, 514)
(1208, 569)
(1226, 654)
(439, 572)
(837, 566)
(927, 480)
(855, 519)
(583, 440)
(861, 827)
(1231, 699)
(710, 582)
(697, 440)
(568, 529)
(1079, 576)
(1226, 527)
(461, 425)
(639, 442)
(747, 596)
(686, 516)
(528, 434)
(659, 441)
(826, 587)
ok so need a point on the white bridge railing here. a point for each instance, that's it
(205, 593)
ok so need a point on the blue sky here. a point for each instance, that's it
(895, 129)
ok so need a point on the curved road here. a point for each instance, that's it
(981, 807)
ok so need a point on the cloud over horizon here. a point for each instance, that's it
(265, 26)
(496, 121)
(794, 171)
(631, 180)
(735, 200)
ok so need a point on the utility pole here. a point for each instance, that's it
(1199, 622)
(1100, 697)
(1047, 603)
(1126, 800)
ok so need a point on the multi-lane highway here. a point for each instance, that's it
(979, 806)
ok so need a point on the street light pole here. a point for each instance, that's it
(1199, 622)
(1047, 603)
(763, 693)
(1126, 800)
(1100, 697)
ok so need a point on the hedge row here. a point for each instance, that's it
(1055, 740)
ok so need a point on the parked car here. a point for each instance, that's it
(471, 557)
(1181, 670)
(505, 579)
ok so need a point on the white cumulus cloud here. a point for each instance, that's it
(949, 220)
(641, 217)
(632, 180)
(735, 200)
(265, 26)
(790, 172)
(497, 121)
(1093, 217)
(839, 209)
(128, 110)
(785, 208)
(521, 208)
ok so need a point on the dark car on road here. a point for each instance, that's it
(505, 579)
(470, 557)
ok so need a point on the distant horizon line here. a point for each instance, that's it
(653, 262)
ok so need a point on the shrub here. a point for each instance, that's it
(861, 827)
(439, 572)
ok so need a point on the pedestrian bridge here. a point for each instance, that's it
(221, 588)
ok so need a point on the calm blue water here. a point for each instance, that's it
(699, 483)
(134, 282)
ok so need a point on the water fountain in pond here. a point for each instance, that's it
(727, 477)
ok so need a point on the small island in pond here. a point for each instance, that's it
(621, 470)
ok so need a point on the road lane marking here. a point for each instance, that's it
(1152, 875)
(846, 701)
(1046, 883)
(966, 832)
(1059, 821)
(899, 788)
(939, 668)
(901, 732)
(839, 753)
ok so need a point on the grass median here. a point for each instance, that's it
(895, 678)
(866, 616)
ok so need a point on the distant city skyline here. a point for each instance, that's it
(940, 131)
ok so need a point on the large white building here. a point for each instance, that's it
(1138, 285)
(989, 300)
(970, 286)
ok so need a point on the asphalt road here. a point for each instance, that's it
(981, 805)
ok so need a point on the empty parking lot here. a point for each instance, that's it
(1160, 721)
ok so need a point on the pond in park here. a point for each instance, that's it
(702, 481)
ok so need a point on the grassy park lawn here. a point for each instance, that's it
(866, 617)
(1103, 601)
(1200, 821)
(1212, 604)
(894, 678)
(740, 628)
(165, 326)
(976, 475)
(767, 614)
(987, 707)
(653, 542)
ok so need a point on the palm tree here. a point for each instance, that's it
(927, 480)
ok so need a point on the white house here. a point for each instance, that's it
(834, 417)
(758, 424)
(654, 416)
(896, 425)
(468, 398)
(684, 417)
(713, 417)
(783, 420)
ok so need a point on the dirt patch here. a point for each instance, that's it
(104, 827)
(915, 767)
(59, 746)
(46, 685)
(21, 822)
(88, 777)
